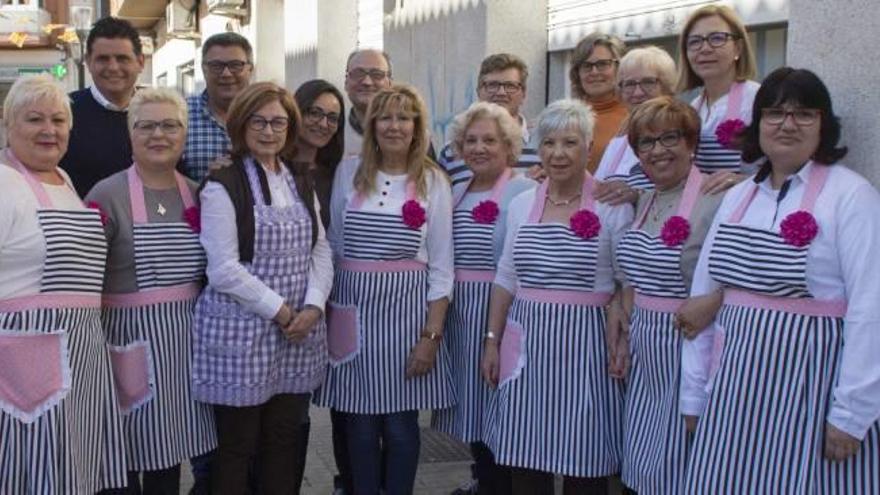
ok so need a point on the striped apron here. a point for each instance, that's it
(711, 155)
(240, 358)
(60, 429)
(376, 312)
(763, 428)
(149, 336)
(631, 173)
(468, 318)
(655, 441)
(556, 408)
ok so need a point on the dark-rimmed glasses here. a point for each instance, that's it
(599, 65)
(278, 124)
(648, 84)
(217, 67)
(668, 139)
(510, 87)
(314, 115)
(716, 39)
(376, 75)
(801, 116)
(169, 127)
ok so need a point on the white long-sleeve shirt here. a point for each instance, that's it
(615, 221)
(225, 272)
(841, 264)
(435, 249)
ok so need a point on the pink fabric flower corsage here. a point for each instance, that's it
(193, 217)
(485, 212)
(95, 206)
(676, 230)
(728, 132)
(585, 224)
(799, 228)
(413, 214)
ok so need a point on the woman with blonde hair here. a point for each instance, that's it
(391, 232)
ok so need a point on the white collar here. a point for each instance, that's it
(104, 102)
(525, 128)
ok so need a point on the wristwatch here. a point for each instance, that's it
(490, 335)
(431, 335)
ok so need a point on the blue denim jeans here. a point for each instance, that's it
(398, 434)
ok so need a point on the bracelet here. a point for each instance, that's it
(490, 335)
(431, 335)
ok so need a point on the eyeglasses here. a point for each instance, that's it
(667, 140)
(599, 65)
(648, 84)
(169, 127)
(510, 87)
(716, 39)
(278, 124)
(801, 116)
(217, 67)
(377, 75)
(315, 115)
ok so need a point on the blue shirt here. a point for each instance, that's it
(206, 138)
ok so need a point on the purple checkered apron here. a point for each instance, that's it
(60, 430)
(240, 358)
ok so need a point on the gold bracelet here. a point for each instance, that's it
(431, 335)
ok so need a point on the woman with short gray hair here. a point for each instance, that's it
(557, 410)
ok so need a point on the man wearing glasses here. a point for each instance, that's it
(366, 73)
(227, 64)
(502, 81)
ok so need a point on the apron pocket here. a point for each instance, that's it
(513, 355)
(133, 374)
(343, 333)
(35, 375)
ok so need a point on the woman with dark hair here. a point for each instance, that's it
(320, 141)
(786, 381)
(259, 346)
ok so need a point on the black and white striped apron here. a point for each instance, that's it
(655, 440)
(631, 173)
(149, 332)
(763, 428)
(711, 155)
(467, 319)
(556, 408)
(60, 428)
(376, 312)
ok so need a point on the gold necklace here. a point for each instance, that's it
(564, 202)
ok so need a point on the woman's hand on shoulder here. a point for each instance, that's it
(721, 181)
(615, 192)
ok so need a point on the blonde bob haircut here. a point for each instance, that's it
(247, 103)
(403, 98)
(664, 113)
(29, 90)
(745, 66)
(147, 96)
(653, 59)
(510, 132)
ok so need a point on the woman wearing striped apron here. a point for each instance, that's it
(154, 273)
(488, 140)
(259, 344)
(557, 410)
(658, 255)
(391, 231)
(786, 381)
(60, 428)
(716, 59)
(644, 73)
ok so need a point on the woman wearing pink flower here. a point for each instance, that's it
(716, 59)
(489, 141)
(155, 270)
(391, 232)
(658, 255)
(557, 410)
(783, 384)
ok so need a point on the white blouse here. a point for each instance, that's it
(22, 245)
(225, 272)
(841, 264)
(627, 162)
(711, 116)
(615, 221)
(388, 198)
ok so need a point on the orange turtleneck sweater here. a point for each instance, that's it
(610, 113)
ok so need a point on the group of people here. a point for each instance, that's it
(679, 294)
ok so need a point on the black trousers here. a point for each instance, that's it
(159, 482)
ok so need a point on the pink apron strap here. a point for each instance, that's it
(136, 194)
(185, 194)
(618, 156)
(691, 193)
(818, 176)
(32, 182)
(537, 210)
(644, 214)
(497, 189)
(734, 101)
(587, 200)
(740, 210)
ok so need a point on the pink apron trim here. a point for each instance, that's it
(618, 156)
(32, 181)
(357, 201)
(133, 374)
(661, 304)
(802, 306)
(512, 356)
(35, 375)
(343, 333)
(573, 297)
(381, 266)
(149, 297)
(815, 182)
(587, 201)
(136, 194)
(687, 201)
(50, 300)
(497, 188)
(462, 275)
(734, 100)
